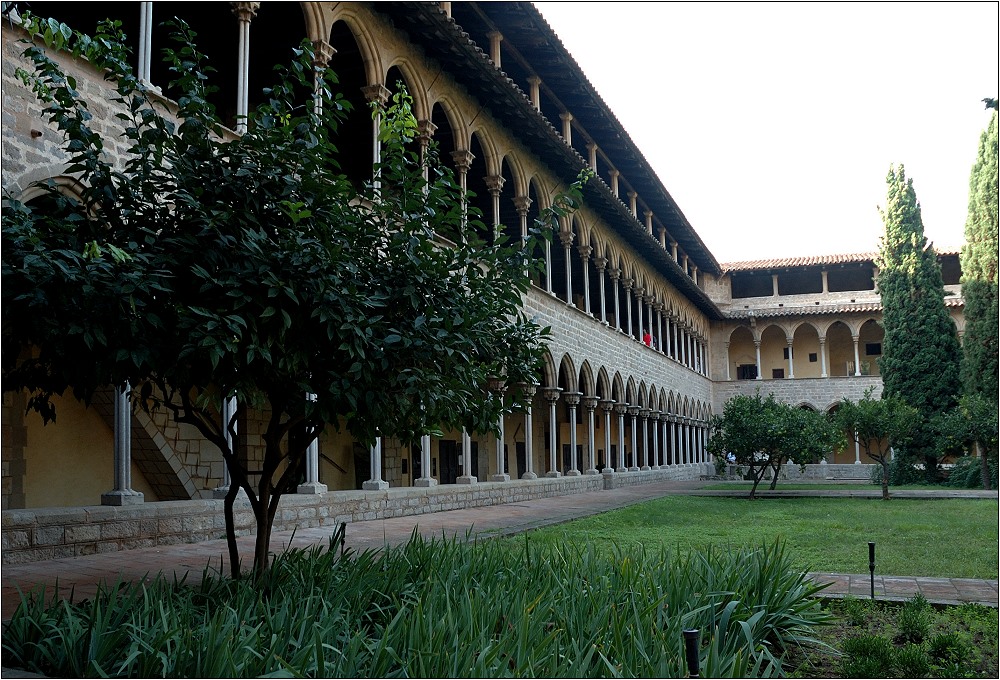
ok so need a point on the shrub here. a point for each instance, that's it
(967, 473)
(914, 620)
(855, 610)
(912, 662)
(867, 656)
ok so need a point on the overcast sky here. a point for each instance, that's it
(773, 126)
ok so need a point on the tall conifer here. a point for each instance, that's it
(979, 272)
(920, 352)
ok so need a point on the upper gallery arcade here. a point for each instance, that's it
(510, 111)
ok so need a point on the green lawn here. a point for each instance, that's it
(822, 485)
(941, 537)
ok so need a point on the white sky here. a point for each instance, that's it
(773, 125)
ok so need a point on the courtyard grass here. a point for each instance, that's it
(817, 485)
(949, 538)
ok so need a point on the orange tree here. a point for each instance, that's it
(204, 266)
(763, 434)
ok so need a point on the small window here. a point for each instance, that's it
(746, 372)
(777, 373)
(784, 353)
(873, 349)
(813, 357)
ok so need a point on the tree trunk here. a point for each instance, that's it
(984, 462)
(885, 478)
(234, 552)
(774, 475)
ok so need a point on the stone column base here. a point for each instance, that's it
(645, 467)
(608, 471)
(591, 471)
(553, 474)
(529, 475)
(425, 482)
(122, 497)
(500, 478)
(312, 488)
(466, 479)
(621, 469)
(633, 469)
(572, 473)
(374, 485)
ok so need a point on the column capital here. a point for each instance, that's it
(644, 413)
(322, 53)
(634, 410)
(566, 238)
(607, 405)
(534, 81)
(600, 263)
(494, 183)
(521, 204)
(585, 251)
(245, 11)
(426, 130)
(566, 116)
(628, 283)
(551, 394)
(376, 93)
(528, 390)
(621, 408)
(572, 398)
(614, 273)
(463, 159)
(589, 403)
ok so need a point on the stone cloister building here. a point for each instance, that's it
(513, 115)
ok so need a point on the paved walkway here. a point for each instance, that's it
(80, 576)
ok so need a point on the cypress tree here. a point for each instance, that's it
(920, 352)
(979, 272)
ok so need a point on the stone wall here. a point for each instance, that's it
(856, 472)
(49, 533)
(818, 393)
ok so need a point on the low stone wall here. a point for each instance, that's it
(855, 472)
(49, 533)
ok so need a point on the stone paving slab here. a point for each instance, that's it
(81, 575)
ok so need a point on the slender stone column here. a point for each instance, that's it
(122, 494)
(375, 483)
(677, 340)
(822, 357)
(675, 450)
(567, 127)
(857, 359)
(145, 43)
(425, 463)
(494, 184)
(648, 214)
(592, 155)
(245, 12)
(589, 404)
(229, 425)
(791, 362)
(500, 475)
(463, 161)
(312, 484)
(655, 419)
(634, 412)
(534, 83)
(425, 133)
(614, 174)
(632, 205)
(639, 299)
(644, 414)
(466, 476)
(620, 410)
(615, 274)
(572, 400)
(857, 450)
(495, 38)
(566, 238)
(380, 94)
(551, 395)
(756, 346)
(628, 304)
(529, 452)
(601, 263)
(585, 252)
(607, 405)
(659, 327)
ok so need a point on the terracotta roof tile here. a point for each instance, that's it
(797, 261)
(808, 260)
